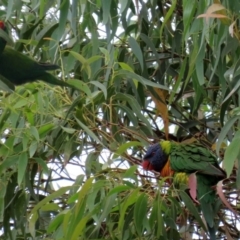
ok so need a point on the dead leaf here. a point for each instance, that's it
(192, 183)
(222, 197)
(215, 7)
(216, 10)
(161, 106)
(231, 29)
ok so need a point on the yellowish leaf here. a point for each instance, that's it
(161, 106)
(216, 10)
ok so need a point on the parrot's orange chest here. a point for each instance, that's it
(167, 171)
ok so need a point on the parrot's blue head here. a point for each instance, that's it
(155, 158)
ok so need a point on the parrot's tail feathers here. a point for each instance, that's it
(212, 232)
(49, 66)
(49, 78)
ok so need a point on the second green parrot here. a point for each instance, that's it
(18, 68)
(179, 161)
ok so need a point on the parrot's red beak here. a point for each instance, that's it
(147, 165)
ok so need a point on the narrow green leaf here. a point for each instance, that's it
(119, 189)
(106, 54)
(231, 154)
(131, 199)
(93, 59)
(43, 164)
(122, 149)
(225, 131)
(140, 213)
(51, 207)
(189, 204)
(101, 86)
(33, 148)
(54, 224)
(34, 133)
(64, 8)
(107, 206)
(140, 79)
(68, 130)
(106, 11)
(79, 57)
(9, 8)
(8, 163)
(88, 131)
(150, 44)
(136, 51)
(3, 188)
(130, 172)
(4, 117)
(80, 85)
(199, 65)
(22, 166)
(167, 17)
(32, 223)
(125, 66)
(188, 14)
(45, 129)
(49, 198)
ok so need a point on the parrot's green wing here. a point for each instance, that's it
(194, 158)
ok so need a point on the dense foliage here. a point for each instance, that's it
(141, 71)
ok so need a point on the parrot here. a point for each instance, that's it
(182, 159)
(19, 69)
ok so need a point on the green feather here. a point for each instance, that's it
(194, 158)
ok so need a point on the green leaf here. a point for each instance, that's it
(34, 133)
(45, 129)
(68, 130)
(33, 148)
(88, 131)
(136, 51)
(189, 204)
(119, 189)
(64, 8)
(101, 86)
(131, 199)
(9, 162)
(130, 172)
(80, 85)
(231, 154)
(167, 16)
(106, 11)
(122, 149)
(22, 167)
(140, 213)
(225, 131)
(48, 199)
(54, 224)
(43, 164)
(141, 79)
(106, 55)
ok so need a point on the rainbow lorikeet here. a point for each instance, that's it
(173, 159)
(18, 68)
